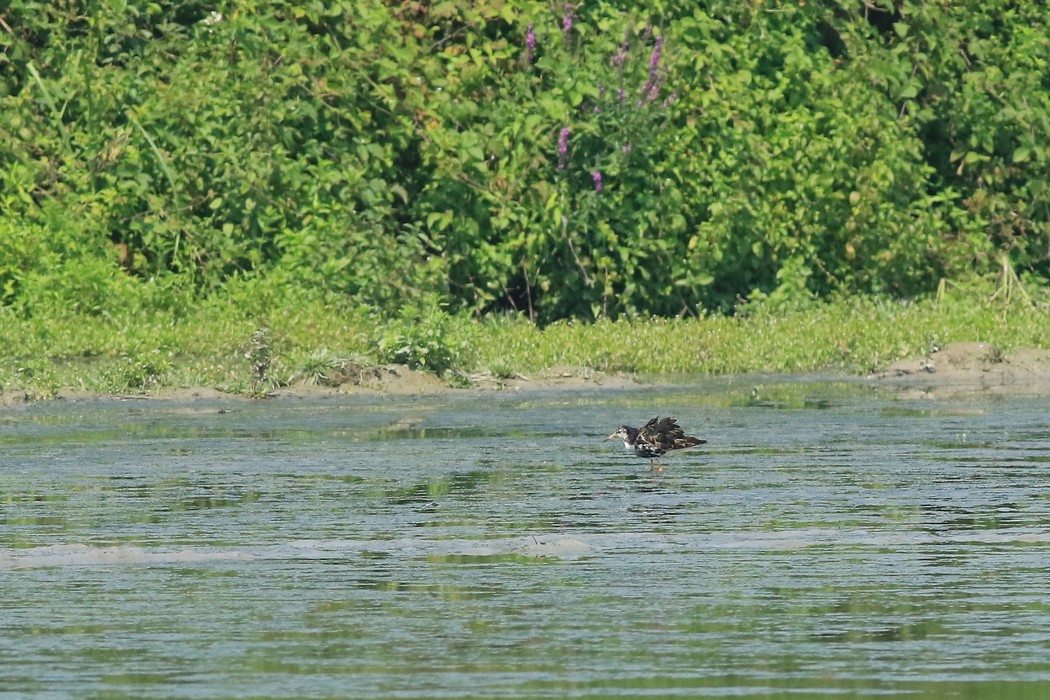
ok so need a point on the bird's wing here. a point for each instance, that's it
(670, 425)
(649, 436)
(651, 430)
(674, 437)
(660, 435)
(688, 441)
(679, 439)
(666, 434)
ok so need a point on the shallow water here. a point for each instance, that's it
(831, 539)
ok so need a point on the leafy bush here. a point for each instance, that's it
(597, 163)
(213, 146)
(425, 337)
(583, 160)
(57, 266)
(136, 373)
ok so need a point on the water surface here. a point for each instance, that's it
(830, 540)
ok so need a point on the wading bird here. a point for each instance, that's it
(654, 439)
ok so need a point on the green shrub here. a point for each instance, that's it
(581, 160)
(139, 372)
(425, 337)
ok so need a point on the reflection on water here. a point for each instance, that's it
(828, 540)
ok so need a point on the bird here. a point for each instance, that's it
(654, 439)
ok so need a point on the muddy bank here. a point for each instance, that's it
(956, 369)
(397, 380)
(970, 367)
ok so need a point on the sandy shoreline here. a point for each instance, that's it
(959, 368)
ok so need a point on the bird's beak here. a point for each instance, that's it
(611, 437)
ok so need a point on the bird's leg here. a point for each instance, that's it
(655, 466)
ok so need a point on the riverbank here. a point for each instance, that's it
(970, 368)
(260, 348)
(393, 380)
(958, 369)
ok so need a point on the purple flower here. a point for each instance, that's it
(563, 147)
(530, 42)
(654, 58)
(621, 95)
(652, 90)
(566, 19)
(620, 57)
(656, 76)
(597, 177)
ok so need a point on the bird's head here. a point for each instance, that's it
(620, 434)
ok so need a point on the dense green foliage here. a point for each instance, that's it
(583, 161)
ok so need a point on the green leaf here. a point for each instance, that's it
(438, 220)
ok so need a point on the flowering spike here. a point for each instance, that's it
(566, 19)
(654, 58)
(530, 42)
(563, 147)
(597, 177)
(656, 74)
(620, 57)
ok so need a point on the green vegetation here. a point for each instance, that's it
(255, 192)
(308, 342)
